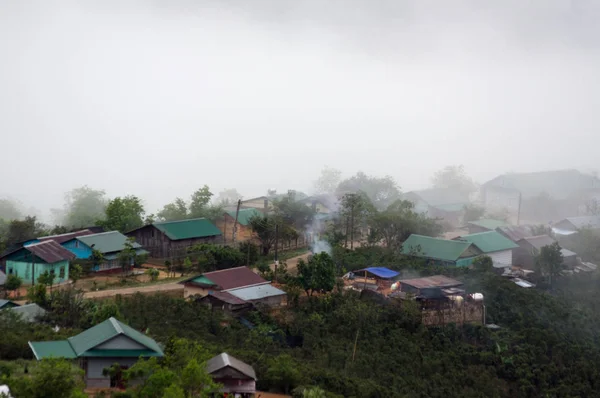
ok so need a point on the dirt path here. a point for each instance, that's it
(292, 263)
(163, 288)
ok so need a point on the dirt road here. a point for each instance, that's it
(163, 288)
(292, 263)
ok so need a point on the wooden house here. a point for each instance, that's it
(244, 230)
(172, 238)
(529, 249)
(222, 280)
(491, 243)
(101, 347)
(441, 251)
(237, 378)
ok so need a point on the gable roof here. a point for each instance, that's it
(489, 241)
(29, 312)
(488, 223)
(83, 344)
(49, 251)
(583, 221)
(107, 242)
(256, 292)
(559, 184)
(440, 281)
(381, 272)
(515, 232)
(225, 360)
(231, 278)
(245, 215)
(539, 241)
(440, 196)
(65, 237)
(7, 304)
(439, 249)
(226, 297)
(187, 229)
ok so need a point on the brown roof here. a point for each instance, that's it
(515, 233)
(431, 281)
(234, 277)
(227, 297)
(539, 241)
(50, 251)
(65, 237)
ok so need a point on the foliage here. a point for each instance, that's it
(483, 264)
(13, 282)
(550, 261)
(174, 211)
(75, 272)
(105, 311)
(318, 274)
(153, 273)
(67, 308)
(200, 205)
(51, 378)
(355, 211)
(214, 257)
(542, 230)
(328, 181)
(473, 212)
(187, 265)
(83, 207)
(585, 243)
(283, 373)
(22, 230)
(381, 191)
(293, 213)
(128, 256)
(46, 278)
(250, 251)
(123, 214)
(37, 294)
(264, 226)
(228, 197)
(9, 210)
(454, 178)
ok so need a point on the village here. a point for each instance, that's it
(155, 259)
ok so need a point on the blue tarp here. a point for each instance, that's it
(381, 272)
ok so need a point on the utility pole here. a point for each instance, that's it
(237, 212)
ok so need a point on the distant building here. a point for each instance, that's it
(222, 280)
(173, 238)
(29, 312)
(101, 347)
(573, 224)
(4, 304)
(516, 232)
(110, 244)
(237, 378)
(373, 278)
(244, 230)
(530, 247)
(30, 261)
(484, 225)
(447, 204)
(441, 251)
(491, 243)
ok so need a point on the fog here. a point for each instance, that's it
(157, 98)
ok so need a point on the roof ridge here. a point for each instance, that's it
(116, 325)
(184, 220)
(226, 269)
(99, 233)
(40, 243)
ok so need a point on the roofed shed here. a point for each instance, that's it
(226, 279)
(237, 377)
(441, 251)
(498, 247)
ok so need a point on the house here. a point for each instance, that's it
(441, 251)
(110, 244)
(60, 239)
(260, 203)
(321, 204)
(100, 347)
(447, 204)
(236, 377)
(442, 300)
(516, 232)
(264, 294)
(222, 280)
(172, 238)
(29, 262)
(373, 278)
(4, 304)
(569, 189)
(574, 224)
(244, 230)
(491, 243)
(29, 312)
(530, 247)
(225, 301)
(485, 224)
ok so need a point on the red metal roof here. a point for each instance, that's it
(50, 251)
(234, 277)
(431, 281)
(62, 238)
(228, 298)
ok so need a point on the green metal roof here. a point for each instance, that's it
(52, 349)
(489, 223)
(201, 280)
(114, 256)
(245, 215)
(84, 343)
(7, 304)
(187, 229)
(107, 242)
(490, 241)
(439, 249)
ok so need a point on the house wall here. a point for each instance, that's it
(259, 203)
(475, 229)
(95, 366)
(524, 255)
(244, 232)
(120, 342)
(160, 246)
(79, 249)
(24, 270)
(500, 198)
(504, 257)
(273, 301)
(468, 312)
(192, 290)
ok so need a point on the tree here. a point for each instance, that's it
(318, 274)
(83, 207)
(328, 181)
(75, 272)
(174, 391)
(200, 202)
(483, 264)
(127, 256)
(22, 230)
(381, 191)
(187, 265)
(51, 378)
(9, 210)
(473, 212)
(37, 294)
(454, 178)
(174, 211)
(355, 210)
(228, 197)
(550, 261)
(68, 309)
(264, 226)
(13, 282)
(106, 310)
(46, 278)
(196, 382)
(283, 373)
(123, 214)
(292, 212)
(153, 273)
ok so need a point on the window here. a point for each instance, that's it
(10, 271)
(61, 274)
(76, 243)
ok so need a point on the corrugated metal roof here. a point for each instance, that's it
(7, 304)
(107, 242)
(245, 215)
(188, 229)
(227, 297)
(50, 251)
(65, 237)
(381, 272)
(256, 292)
(489, 241)
(29, 312)
(52, 349)
(233, 278)
(539, 241)
(584, 221)
(225, 360)
(489, 223)
(440, 249)
(439, 281)
(516, 233)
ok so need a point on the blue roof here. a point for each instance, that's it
(381, 272)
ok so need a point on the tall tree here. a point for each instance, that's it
(21, 230)
(123, 214)
(9, 210)
(455, 178)
(200, 205)
(549, 262)
(83, 207)
(293, 213)
(174, 211)
(382, 191)
(264, 226)
(228, 197)
(473, 212)
(328, 181)
(317, 274)
(355, 210)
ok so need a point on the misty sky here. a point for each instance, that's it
(156, 98)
